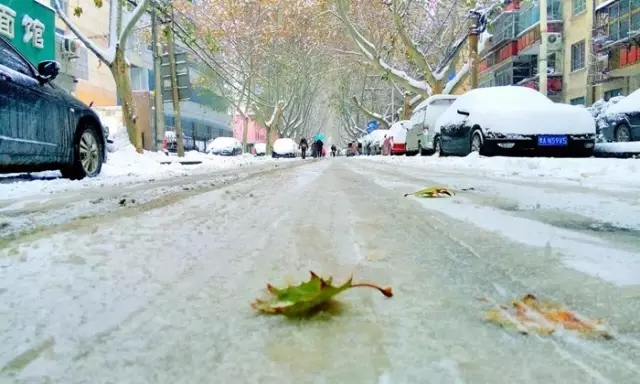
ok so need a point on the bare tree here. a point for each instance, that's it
(122, 19)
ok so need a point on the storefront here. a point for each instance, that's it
(30, 27)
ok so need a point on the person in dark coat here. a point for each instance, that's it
(333, 150)
(303, 147)
(319, 145)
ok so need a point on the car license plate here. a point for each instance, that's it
(552, 141)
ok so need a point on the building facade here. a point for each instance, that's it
(511, 55)
(256, 133)
(593, 48)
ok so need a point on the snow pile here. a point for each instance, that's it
(609, 172)
(123, 166)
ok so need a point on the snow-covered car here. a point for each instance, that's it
(514, 119)
(284, 147)
(225, 146)
(398, 133)
(619, 118)
(421, 135)
(260, 149)
(375, 140)
(170, 142)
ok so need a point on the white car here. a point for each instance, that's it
(398, 133)
(421, 135)
(225, 146)
(513, 119)
(375, 139)
(260, 149)
(284, 148)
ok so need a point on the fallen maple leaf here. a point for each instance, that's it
(532, 315)
(296, 300)
(432, 192)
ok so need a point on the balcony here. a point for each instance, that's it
(531, 16)
(616, 22)
(504, 28)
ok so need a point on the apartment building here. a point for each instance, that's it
(511, 55)
(593, 48)
(604, 41)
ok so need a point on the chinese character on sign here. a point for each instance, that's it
(7, 15)
(33, 31)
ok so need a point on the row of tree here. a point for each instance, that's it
(298, 66)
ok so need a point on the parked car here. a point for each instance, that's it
(225, 146)
(513, 119)
(43, 127)
(375, 139)
(170, 142)
(421, 135)
(620, 121)
(260, 149)
(398, 133)
(284, 147)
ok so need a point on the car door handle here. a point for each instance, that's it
(5, 76)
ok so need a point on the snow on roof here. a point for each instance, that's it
(512, 96)
(628, 104)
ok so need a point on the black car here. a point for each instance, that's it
(42, 126)
(513, 120)
(620, 122)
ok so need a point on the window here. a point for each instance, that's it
(612, 93)
(139, 79)
(577, 55)
(624, 7)
(579, 6)
(578, 101)
(635, 22)
(12, 60)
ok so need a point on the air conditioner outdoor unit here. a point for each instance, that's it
(70, 47)
(554, 42)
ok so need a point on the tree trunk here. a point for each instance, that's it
(274, 124)
(120, 71)
(437, 87)
(245, 131)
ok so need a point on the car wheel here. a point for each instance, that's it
(437, 146)
(475, 144)
(87, 155)
(623, 133)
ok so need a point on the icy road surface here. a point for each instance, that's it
(162, 295)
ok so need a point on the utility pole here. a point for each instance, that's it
(169, 34)
(474, 30)
(158, 116)
(544, 52)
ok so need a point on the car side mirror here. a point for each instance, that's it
(48, 70)
(463, 113)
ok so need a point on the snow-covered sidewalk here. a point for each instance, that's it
(123, 167)
(613, 174)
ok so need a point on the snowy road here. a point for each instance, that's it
(162, 295)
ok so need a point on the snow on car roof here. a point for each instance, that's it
(506, 96)
(628, 104)
(434, 98)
